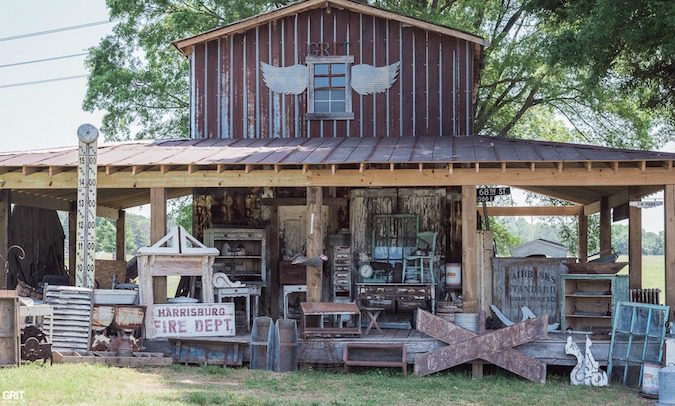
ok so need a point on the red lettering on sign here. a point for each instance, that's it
(199, 326)
(172, 326)
(227, 324)
(182, 328)
(219, 323)
(208, 323)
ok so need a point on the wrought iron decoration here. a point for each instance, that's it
(365, 79)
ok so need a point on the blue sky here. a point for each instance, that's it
(47, 115)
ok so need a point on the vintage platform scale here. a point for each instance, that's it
(86, 206)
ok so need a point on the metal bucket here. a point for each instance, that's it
(468, 321)
(453, 274)
(650, 378)
(262, 347)
(667, 386)
(285, 346)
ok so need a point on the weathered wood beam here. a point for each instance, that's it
(669, 223)
(605, 226)
(497, 211)
(314, 241)
(41, 202)
(109, 170)
(53, 170)
(107, 212)
(120, 236)
(157, 231)
(612, 202)
(137, 169)
(298, 201)
(519, 177)
(582, 234)
(469, 249)
(635, 247)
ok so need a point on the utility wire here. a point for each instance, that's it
(55, 30)
(35, 82)
(55, 58)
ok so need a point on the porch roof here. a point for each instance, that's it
(330, 151)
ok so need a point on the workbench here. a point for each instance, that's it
(397, 297)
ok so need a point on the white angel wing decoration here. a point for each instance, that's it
(287, 79)
(367, 79)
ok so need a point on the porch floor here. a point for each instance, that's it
(550, 350)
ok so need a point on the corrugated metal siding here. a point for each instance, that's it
(432, 95)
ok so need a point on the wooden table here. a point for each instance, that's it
(375, 359)
(323, 309)
(373, 313)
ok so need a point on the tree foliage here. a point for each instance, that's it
(531, 86)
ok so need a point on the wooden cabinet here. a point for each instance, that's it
(588, 301)
(342, 274)
(243, 253)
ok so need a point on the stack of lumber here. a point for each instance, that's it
(71, 325)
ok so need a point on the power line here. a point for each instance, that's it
(55, 58)
(35, 82)
(55, 30)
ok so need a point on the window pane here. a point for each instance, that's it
(321, 95)
(321, 82)
(338, 81)
(321, 69)
(338, 106)
(338, 68)
(320, 107)
(337, 94)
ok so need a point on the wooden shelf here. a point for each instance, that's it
(586, 295)
(239, 257)
(587, 316)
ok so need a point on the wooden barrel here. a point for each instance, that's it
(285, 346)
(261, 346)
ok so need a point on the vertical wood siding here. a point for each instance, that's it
(431, 96)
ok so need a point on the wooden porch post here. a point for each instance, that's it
(120, 237)
(635, 247)
(72, 242)
(157, 231)
(469, 249)
(669, 249)
(582, 232)
(5, 211)
(605, 226)
(314, 241)
(274, 263)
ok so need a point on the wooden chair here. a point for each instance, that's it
(414, 265)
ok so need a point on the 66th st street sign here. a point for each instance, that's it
(488, 194)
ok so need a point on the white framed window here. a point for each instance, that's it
(330, 92)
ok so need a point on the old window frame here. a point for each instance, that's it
(348, 114)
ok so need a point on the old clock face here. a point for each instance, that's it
(87, 133)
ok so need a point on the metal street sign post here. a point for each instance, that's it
(488, 194)
(86, 206)
(646, 204)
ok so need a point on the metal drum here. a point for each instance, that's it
(667, 386)
(262, 347)
(285, 346)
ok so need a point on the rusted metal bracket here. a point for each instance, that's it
(495, 347)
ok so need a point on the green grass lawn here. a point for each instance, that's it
(653, 272)
(94, 384)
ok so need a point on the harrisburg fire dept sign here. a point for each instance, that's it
(193, 320)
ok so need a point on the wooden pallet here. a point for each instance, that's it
(137, 359)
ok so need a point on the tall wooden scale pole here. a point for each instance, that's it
(86, 206)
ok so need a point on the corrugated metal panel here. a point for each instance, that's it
(71, 323)
(339, 150)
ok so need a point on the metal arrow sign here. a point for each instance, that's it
(86, 206)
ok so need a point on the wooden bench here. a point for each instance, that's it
(374, 361)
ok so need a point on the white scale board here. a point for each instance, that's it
(86, 206)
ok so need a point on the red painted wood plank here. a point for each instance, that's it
(448, 45)
(328, 18)
(380, 111)
(395, 90)
(354, 46)
(250, 85)
(225, 83)
(341, 21)
(275, 45)
(200, 90)
(367, 46)
(302, 55)
(263, 90)
(237, 86)
(289, 60)
(407, 81)
(314, 36)
(434, 89)
(461, 88)
(212, 89)
(420, 82)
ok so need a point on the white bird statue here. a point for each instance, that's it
(313, 262)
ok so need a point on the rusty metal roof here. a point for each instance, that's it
(330, 151)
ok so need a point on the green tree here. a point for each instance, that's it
(105, 235)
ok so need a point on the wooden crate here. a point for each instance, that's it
(10, 344)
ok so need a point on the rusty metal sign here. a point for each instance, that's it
(495, 347)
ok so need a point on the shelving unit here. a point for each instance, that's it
(588, 301)
(243, 253)
(342, 274)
